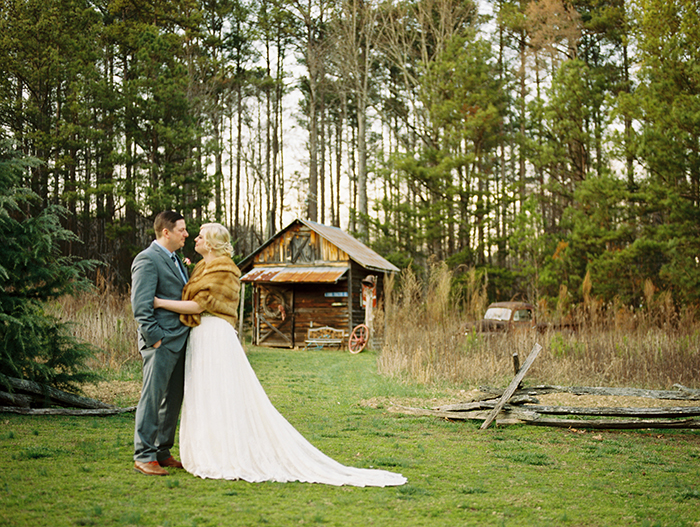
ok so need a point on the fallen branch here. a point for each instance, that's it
(513, 386)
(66, 411)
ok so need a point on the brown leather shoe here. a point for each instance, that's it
(170, 462)
(151, 468)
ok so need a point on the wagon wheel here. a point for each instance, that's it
(273, 304)
(358, 338)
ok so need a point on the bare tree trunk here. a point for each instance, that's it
(629, 156)
(239, 156)
(356, 33)
(269, 172)
(278, 172)
(229, 198)
(338, 166)
(352, 224)
(312, 17)
(521, 140)
(362, 171)
(218, 167)
(312, 199)
(322, 160)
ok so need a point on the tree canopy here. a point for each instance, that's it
(539, 142)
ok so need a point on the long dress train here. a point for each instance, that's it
(230, 430)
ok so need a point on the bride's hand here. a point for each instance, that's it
(157, 303)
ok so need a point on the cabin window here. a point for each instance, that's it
(300, 248)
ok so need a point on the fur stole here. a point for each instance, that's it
(215, 287)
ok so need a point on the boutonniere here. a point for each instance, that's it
(188, 263)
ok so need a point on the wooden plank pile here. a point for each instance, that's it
(517, 405)
(32, 398)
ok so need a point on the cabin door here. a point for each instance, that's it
(275, 316)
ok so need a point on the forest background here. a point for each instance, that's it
(547, 145)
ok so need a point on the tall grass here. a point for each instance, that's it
(614, 345)
(102, 317)
(423, 339)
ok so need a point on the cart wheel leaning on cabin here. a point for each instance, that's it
(358, 338)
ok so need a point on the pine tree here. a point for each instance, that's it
(33, 344)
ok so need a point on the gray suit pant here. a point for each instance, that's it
(159, 406)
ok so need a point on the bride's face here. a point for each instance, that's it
(200, 245)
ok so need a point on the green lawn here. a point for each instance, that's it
(57, 471)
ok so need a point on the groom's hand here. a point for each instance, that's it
(157, 344)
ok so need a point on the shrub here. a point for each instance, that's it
(33, 344)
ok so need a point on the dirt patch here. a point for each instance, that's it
(412, 402)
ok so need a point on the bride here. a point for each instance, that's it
(229, 428)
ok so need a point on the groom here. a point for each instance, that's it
(157, 271)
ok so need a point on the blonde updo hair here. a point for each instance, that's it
(217, 238)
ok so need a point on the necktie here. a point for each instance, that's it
(178, 263)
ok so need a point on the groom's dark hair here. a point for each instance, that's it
(166, 220)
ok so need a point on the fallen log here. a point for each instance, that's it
(39, 393)
(424, 412)
(66, 411)
(680, 395)
(15, 399)
(686, 390)
(504, 417)
(484, 404)
(610, 424)
(671, 411)
(517, 415)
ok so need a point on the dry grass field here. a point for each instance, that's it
(653, 348)
(423, 340)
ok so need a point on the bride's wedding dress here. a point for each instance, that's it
(230, 430)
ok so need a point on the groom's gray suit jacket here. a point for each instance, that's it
(153, 274)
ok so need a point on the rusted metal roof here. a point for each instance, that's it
(355, 249)
(295, 274)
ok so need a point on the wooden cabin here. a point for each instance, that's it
(310, 275)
